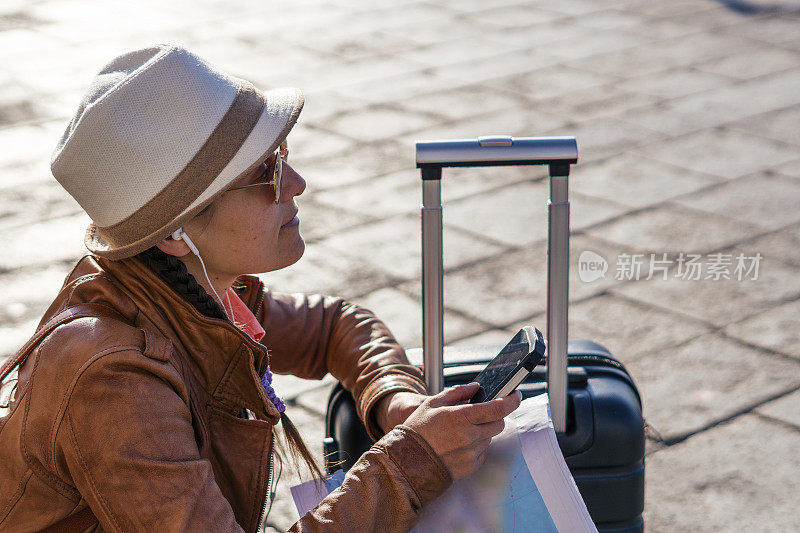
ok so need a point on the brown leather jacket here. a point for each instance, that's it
(133, 412)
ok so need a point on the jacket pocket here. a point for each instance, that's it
(240, 451)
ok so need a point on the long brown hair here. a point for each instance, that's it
(174, 273)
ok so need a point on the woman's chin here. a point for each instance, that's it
(290, 256)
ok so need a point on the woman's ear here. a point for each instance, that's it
(172, 247)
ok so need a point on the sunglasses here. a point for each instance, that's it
(272, 173)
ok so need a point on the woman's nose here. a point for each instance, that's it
(292, 183)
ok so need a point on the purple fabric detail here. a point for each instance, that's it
(266, 381)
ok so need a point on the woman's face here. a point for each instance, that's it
(246, 232)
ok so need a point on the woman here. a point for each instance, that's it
(145, 402)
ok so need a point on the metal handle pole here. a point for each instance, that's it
(557, 152)
(558, 294)
(432, 270)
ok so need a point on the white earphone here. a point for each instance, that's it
(180, 235)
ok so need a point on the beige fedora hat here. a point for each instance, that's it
(159, 134)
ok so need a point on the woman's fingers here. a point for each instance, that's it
(454, 395)
(460, 434)
(490, 429)
(483, 413)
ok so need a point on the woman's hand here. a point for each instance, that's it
(460, 434)
(394, 408)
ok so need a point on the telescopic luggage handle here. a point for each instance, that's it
(556, 152)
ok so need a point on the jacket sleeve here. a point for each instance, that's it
(312, 335)
(385, 490)
(127, 444)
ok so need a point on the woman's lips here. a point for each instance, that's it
(294, 222)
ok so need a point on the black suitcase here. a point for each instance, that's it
(596, 408)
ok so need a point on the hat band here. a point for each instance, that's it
(209, 161)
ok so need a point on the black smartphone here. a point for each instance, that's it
(511, 366)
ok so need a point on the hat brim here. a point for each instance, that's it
(279, 115)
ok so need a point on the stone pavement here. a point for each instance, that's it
(686, 114)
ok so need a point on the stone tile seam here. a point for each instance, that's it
(777, 421)
(754, 237)
(682, 437)
(457, 312)
(723, 30)
(17, 225)
(66, 263)
(758, 347)
(713, 329)
(666, 137)
(294, 403)
(314, 388)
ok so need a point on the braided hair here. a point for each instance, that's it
(174, 272)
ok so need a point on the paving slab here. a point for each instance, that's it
(401, 191)
(596, 102)
(554, 81)
(719, 16)
(777, 329)
(673, 228)
(502, 65)
(14, 336)
(519, 15)
(493, 336)
(736, 477)
(769, 30)
(719, 301)
(635, 180)
(32, 203)
(526, 200)
(791, 169)
(359, 124)
(26, 143)
(326, 270)
(465, 102)
(293, 389)
(707, 380)
(308, 141)
(351, 163)
(629, 329)
(717, 107)
(57, 239)
(318, 220)
(401, 311)
(783, 245)
(30, 291)
(527, 121)
(509, 287)
(674, 83)
(668, 9)
(752, 63)
(609, 136)
(718, 152)
(749, 199)
(783, 409)
(612, 19)
(779, 125)
(393, 246)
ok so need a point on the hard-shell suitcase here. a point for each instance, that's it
(596, 408)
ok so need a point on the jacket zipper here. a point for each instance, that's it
(260, 298)
(263, 515)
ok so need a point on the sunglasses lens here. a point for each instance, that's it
(277, 178)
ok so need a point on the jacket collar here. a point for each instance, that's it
(212, 347)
